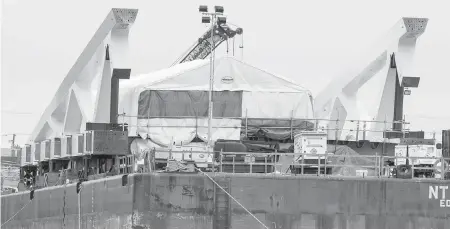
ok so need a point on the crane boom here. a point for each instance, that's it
(202, 48)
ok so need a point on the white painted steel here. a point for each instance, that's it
(366, 91)
(84, 95)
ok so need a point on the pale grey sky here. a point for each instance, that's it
(308, 41)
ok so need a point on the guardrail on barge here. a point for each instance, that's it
(294, 164)
(356, 129)
(270, 162)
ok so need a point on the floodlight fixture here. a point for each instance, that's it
(221, 20)
(218, 9)
(206, 19)
(203, 9)
(407, 92)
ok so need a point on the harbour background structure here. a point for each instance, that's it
(317, 50)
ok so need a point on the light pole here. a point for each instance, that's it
(211, 18)
(336, 134)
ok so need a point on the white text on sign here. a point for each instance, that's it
(439, 193)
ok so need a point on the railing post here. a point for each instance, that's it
(303, 164)
(275, 158)
(292, 167)
(376, 166)
(220, 156)
(325, 164)
(251, 164)
(412, 166)
(271, 162)
(133, 170)
(383, 148)
(233, 163)
(357, 131)
(381, 165)
(79, 208)
(123, 120)
(214, 164)
(318, 169)
(148, 122)
(246, 124)
(336, 134)
(292, 119)
(149, 157)
(364, 130)
(196, 123)
(265, 165)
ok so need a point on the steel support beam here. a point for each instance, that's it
(89, 92)
(384, 71)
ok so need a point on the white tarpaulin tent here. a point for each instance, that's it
(171, 105)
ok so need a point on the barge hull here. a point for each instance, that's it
(191, 200)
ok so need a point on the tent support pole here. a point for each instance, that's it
(196, 126)
(292, 119)
(211, 85)
(148, 122)
(246, 124)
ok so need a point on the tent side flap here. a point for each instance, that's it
(179, 116)
(275, 114)
(188, 104)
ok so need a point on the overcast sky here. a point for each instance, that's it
(308, 41)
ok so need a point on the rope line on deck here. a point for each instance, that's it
(12, 217)
(259, 221)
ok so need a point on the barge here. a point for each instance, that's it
(265, 158)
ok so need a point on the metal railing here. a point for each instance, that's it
(269, 163)
(360, 128)
(243, 118)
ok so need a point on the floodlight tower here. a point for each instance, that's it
(211, 18)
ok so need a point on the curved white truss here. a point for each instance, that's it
(85, 93)
(386, 70)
